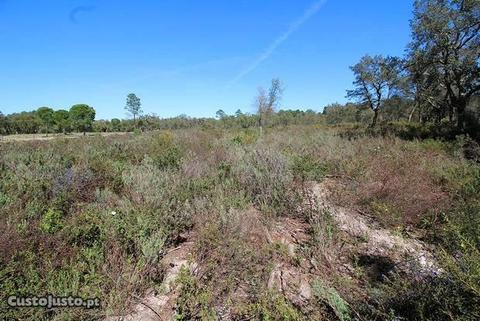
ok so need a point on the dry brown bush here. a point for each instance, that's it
(395, 182)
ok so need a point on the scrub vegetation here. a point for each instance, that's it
(94, 216)
(365, 211)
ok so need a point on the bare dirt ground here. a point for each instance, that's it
(294, 273)
(376, 241)
(293, 280)
(161, 306)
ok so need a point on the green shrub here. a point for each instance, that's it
(454, 294)
(165, 153)
(308, 168)
(267, 178)
(404, 130)
(246, 137)
(460, 242)
(85, 230)
(424, 299)
(51, 221)
(194, 303)
(4, 199)
(331, 297)
(273, 306)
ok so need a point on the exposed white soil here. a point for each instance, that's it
(161, 306)
(406, 253)
(293, 280)
(292, 274)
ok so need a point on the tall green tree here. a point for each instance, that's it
(82, 117)
(45, 114)
(133, 106)
(220, 114)
(116, 124)
(61, 119)
(24, 123)
(376, 80)
(444, 55)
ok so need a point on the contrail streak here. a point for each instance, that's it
(311, 11)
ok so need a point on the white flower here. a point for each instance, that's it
(114, 213)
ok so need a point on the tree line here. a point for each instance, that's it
(436, 82)
(79, 117)
(45, 120)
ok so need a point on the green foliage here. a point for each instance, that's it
(85, 231)
(324, 230)
(29, 123)
(331, 297)
(165, 153)
(151, 245)
(82, 117)
(23, 123)
(3, 124)
(193, 303)
(20, 277)
(51, 221)
(94, 216)
(46, 116)
(443, 55)
(308, 168)
(116, 124)
(220, 114)
(375, 79)
(133, 105)
(266, 175)
(273, 306)
(460, 241)
(430, 299)
(61, 118)
(455, 293)
(386, 213)
(349, 113)
(246, 137)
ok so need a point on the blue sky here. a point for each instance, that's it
(188, 56)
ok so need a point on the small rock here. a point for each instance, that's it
(305, 291)
(275, 280)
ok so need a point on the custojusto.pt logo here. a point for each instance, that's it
(51, 301)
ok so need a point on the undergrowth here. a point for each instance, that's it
(93, 217)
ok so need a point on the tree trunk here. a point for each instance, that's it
(461, 117)
(374, 120)
(450, 113)
(412, 112)
(260, 124)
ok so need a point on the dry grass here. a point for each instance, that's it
(112, 205)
